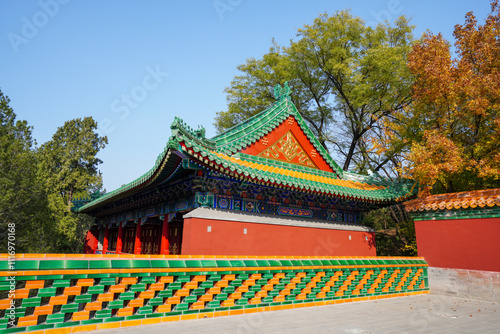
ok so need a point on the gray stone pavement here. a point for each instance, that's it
(414, 314)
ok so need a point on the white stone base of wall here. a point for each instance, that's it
(464, 283)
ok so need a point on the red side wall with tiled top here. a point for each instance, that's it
(460, 243)
(228, 238)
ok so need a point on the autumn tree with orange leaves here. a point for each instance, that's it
(450, 136)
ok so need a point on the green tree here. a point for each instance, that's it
(23, 201)
(394, 231)
(451, 135)
(345, 77)
(69, 167)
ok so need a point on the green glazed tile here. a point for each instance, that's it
(26, 264)
(208, 263)
(40, 327)
(31, 302)
(177, 264)
(159, 264)
(193, 263)
(237, 263)
(141, 264)
(83, 299)
(99, 264)
(67, 324)
(223, 263)
(119, 264)
(51, 264)
(46, 292)
(69, 308)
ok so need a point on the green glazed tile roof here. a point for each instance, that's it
(222, 154)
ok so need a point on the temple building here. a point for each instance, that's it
(264, 187)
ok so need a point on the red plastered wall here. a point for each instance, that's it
(460, 243)
(228, 238)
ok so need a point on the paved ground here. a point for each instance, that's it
(415, 314)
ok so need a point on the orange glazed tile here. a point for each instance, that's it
(5, 304)
(171, 318)
(206, 298)
(182, 292)
(199, 278)
(105, 297)
(189, 316)
(279, 298)
(139, 302)
(261, 294)
(29, 320)
(190, 285)
(255, 300)
(34, 284)
(43, 310)
(73, 290)
(126, 311)
(157, 286)
(130, 323)
(166, 279)
(61, 272)
(84, 328)
(229, 277)
(93, 306)
(58, 300)
(81, 315)
(229, 302)
(66, 330)
(128, 280)
(221, 284)
(108, 325)
(151, 321)
(235, 295)
(164, 308)
(85, 282)
(147, 294)
(214, 291)
(174, 300)
(118, 288)
(285, 292)
(197, 305)
(21, 293)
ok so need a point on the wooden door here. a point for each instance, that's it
(128, 240)
(150, 237)
(112, 239)
(175, 237)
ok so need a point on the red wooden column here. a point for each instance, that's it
(106, 241)
(138, 242)
(164, 248)
(95, 241)
(119, 241)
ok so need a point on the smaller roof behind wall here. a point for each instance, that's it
(461, 200)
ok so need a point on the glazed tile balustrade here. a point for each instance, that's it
(57, 293)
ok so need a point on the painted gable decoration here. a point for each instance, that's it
(288, 149)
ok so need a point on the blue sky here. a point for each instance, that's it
(135, 65)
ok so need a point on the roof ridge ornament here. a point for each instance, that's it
(282, 93)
